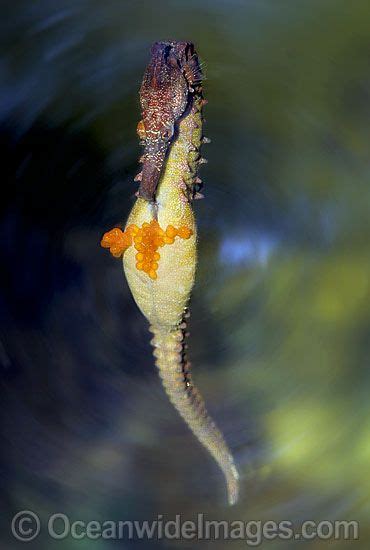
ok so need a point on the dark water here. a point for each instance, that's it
(280, 312)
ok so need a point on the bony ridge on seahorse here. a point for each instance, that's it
(158, 244)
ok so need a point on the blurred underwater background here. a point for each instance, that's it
(280, 338)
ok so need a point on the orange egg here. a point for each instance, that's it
(147, 239)
(184, 232)
(171, 231)
(168, 240)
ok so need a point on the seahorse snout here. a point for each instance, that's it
(153, 162)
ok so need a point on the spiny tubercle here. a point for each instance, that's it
(147, 239)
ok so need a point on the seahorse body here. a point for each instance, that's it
(164, 295)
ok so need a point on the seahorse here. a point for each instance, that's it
(158, 243)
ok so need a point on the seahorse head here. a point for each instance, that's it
(164, 96)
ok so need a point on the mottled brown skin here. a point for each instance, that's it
(166, 92)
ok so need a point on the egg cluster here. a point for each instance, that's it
(146, 240)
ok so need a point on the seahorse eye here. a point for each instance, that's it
(141, 129)
(167, 132)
